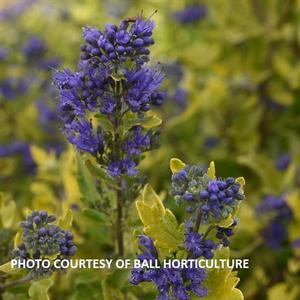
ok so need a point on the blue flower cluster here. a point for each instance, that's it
(275, 233)
(12, 87)
(212, 198)
(208, 201)
(175, 93)
(118, 45)
(14, 10)
(111, 82)
(42, 238)
(191, 14)
(211, 142)
(283, 161)
(35, 53)
(197, 245)
(224, 233)
(4, 52)
(34, 49)
(172, 283)
(19, 148)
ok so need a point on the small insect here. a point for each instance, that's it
(130, 20)
(134, 19)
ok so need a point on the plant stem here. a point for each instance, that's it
(120, 239)
(198, 221)
(209, 229)
(14, 283)
(117, 154)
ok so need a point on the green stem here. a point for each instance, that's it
(23, 280)
(117, 155)
(198, 221)
(120, 238)
(247, 250)
(209, 229)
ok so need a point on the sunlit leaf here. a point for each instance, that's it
(176, 165)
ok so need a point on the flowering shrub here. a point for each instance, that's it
(199, 236)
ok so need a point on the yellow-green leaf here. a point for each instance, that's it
(160, 224)
(18, 238)
(6, 268)
(283, 291)
(226, 222)
(222, 282)
(211, 171)
(176, 165)
(39, 289)
(8, 212)
(242, 182)
(65, 222)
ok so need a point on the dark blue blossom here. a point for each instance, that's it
(214, 198)
(220, 198)
(283, 161)
(11, 87)
(47, 115)
(171, 283)
(176, 95)
(278, 205)
(180, 97)
(19, 148)
(296, 243)
(211, 142)
(280, 214)
(174, 72)
(191, 14)
(13, 10)
(125, 166)
(118, 45)
(197, 246)
(142, 83)
(137, 141)
(3, 53)
(224, 233)
(80, 133)
(34, 49)
(41, 239)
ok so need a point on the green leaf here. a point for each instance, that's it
(283, 291)
(264, 169)
(111, 293)
(221, 283)
(176, 165)
(151, 121)
(160, 224)
(6, 268)
(104, 122)
(228, 219)
(86, 182)
(65, 222)
(147, 121)
(94, 215)
(7, 213)
(98, 171)
(39, 289)
(226, 222)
